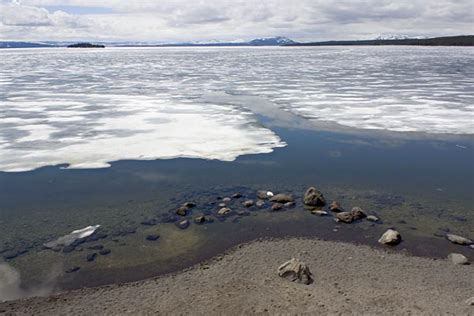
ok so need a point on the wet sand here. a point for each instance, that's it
(348, 279)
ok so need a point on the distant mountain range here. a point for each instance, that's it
(464, 40)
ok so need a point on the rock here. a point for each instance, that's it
(10, 254)
(470, 301)
(358, 213)
(372, 218)
(200, 219)
(243, 213)
(224, 211)
(282, 198)
(390, 237)
(189, 204)
(264, 195)
(456, 239)
(289, 204)
(149, 222)
(226, 199)
(152, 237)
(73, 269)
(313, 197)
(91, 257)
(183, 224)
(277, 206)
(168, 218)
(320, 213)
(105, 251)
(345, 217)
(248, 203)
(295, 271)
(260, 204)
(236, 196)
(96, 247)
(335, 207)
(471, 246)
(182, 211)
(458, 258)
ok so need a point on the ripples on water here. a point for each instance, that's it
(89, 107)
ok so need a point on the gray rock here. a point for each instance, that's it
(260, 204)
(264, 195)
(456, 239)
(152, 237)
(335, 207)
(226, 199)
(358, 213)
(458, 258)
(372, 218)
(345, 217)
(276, 206)
(295, 271)
(182, 211)
(224, 211)
(289, 204)
(248, 203)
(282, 198)
(320, 213)
(313, 197)
(390, 237)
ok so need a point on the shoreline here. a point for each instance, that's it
(348, 278)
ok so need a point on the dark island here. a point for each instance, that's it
(85, 45)
(465, 40)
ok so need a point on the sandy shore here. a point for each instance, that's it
(347, 279)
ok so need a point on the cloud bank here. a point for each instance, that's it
(186, 20)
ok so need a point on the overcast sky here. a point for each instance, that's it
(201, 20)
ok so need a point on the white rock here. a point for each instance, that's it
(372, 218)
(296, 271)
(320, 213)
(458, 258)
(456, 239)
(390, 237)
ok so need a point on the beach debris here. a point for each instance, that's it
(224, 211)
(372, 218)
(183, 224)
(335, 207)
(390, 237)
(456, 239)
(276, 206)
(71, 238)
(152, 237)
(183, 210)
(264, 195)
(319, 212)
(313, 197)
(470, 301)
(295, 271)
(248, 203)
(282, 198)
(458, 258)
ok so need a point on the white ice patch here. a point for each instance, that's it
(69, 239)
(89, 108)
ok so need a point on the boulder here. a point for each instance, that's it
(264, 195)
(345, 217)
(335, 207)
(295, 271)
(182, 211)
(276, 206)
(458, 258)
(313, 197)
(358, 213)
(372, 218)
(224, 211)
(390, 237)
(248, 203)
(456, 239)
(282, 198)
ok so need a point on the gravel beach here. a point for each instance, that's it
(348, 279)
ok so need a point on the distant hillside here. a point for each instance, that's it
(465, 40)
(271, 41)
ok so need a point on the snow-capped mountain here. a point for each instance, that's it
(392, 37)
(269, 41)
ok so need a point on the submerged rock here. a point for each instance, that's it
(183, 224)
(335, 207)
(105, 251)
(226, 199)
(236, 196)
(243, 213)
(264, 195)
(189, 204)
(458, 258)
(73, 269)
(168, 218)
(260, 204)
(96, 247)
(183, 211)
(10, 254)
(282, 198)
(69, 239)
(149, 222)
(390, 237)
(152, 237)
(313, 197)
(248, 203)
(456, 239)
(91, 257)
(295, 271)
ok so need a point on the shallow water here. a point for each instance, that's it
(244, 104)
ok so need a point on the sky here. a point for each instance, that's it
(226, 20)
